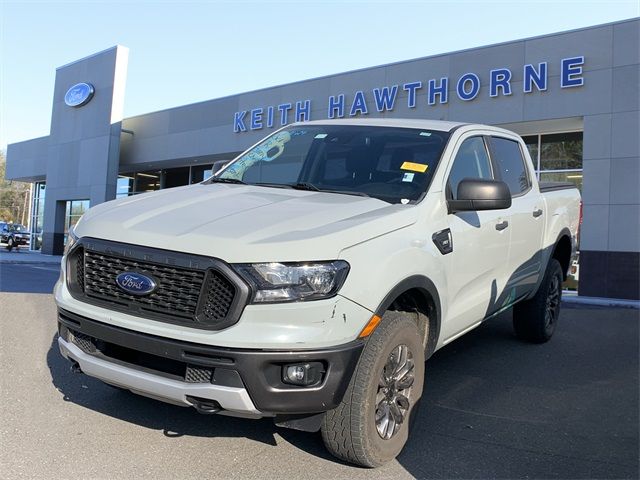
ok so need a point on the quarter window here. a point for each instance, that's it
(508, 157)
(471, 161)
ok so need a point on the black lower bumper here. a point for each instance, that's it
(259, 371)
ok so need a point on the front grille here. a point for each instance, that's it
(217, 296)
(203, 297)
(177, 293)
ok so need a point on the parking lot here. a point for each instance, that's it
(493, 408)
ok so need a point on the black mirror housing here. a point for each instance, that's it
(480, 194)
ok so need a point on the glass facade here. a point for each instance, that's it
(75, 209)
(148, 181)
(557, 157)
(37, 215)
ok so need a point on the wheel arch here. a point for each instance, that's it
(417, 293)
(562, 251)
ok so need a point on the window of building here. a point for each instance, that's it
(557, 157)
(75, 209)
(175, 177)
(200, 173)
(124, 187)
(37, 215)
(147, 181)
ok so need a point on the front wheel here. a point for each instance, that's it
(535, 320)
(371, 425)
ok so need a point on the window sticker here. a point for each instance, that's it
(321, 135)
(408, 177)
(414, 167)
(425, 134)
(267, 151)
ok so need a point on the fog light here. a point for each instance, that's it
(304, 374)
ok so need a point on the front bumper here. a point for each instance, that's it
(245, 382)
(231, 400)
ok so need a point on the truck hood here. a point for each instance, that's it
(244, 223)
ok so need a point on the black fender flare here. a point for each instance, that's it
(423, 283)
(565, 232)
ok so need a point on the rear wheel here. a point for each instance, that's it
(535, 320)
(371, 425)
(10, 244)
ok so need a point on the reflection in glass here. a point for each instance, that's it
(561, 151)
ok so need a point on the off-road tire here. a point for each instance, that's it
(535, 320)
(349, 431)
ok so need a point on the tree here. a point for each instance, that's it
(14, 197)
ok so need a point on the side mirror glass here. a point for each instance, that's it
(480, 194)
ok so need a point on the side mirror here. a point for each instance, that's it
(480, 194)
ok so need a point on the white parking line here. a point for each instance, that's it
(54, 269)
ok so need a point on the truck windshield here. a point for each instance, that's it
(392, 164)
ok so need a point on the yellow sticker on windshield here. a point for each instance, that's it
(414, 167)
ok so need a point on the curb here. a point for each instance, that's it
(601, 302)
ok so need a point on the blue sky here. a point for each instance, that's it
(188, 51)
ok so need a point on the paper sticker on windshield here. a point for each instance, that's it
(408, 177)
(414, 167)
(321, 135)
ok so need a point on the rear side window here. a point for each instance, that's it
(471, 161)
(508, 157)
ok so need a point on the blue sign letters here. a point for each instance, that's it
(433, 92)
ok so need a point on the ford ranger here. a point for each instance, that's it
(311, 277)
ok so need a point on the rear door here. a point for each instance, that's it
(526, 218)
(480, 245)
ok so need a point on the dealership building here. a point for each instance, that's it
(573, 96)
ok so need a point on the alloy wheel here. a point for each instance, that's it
(393, 398)
(552, 302)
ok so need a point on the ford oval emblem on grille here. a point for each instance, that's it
(135, 283)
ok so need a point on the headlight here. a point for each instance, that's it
(290, 282)
(71, 241)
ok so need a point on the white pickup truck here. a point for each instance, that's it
(311, 278)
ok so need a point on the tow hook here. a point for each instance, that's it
(75, 367)
(204, 405)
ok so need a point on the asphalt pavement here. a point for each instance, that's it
(493, 407)
(28, 277)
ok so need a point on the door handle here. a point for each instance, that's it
(502, 225)
(537, 212)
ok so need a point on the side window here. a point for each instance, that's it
(508, 157)
(471, 161)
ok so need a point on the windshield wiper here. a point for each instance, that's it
(306, 186)
(296, 186)
(272, 185)
(311, 187)
(226, 180)
(347, 192)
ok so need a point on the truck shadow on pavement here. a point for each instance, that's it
(492, 407)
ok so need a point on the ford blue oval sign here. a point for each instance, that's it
(79, 94)
(135, 283)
